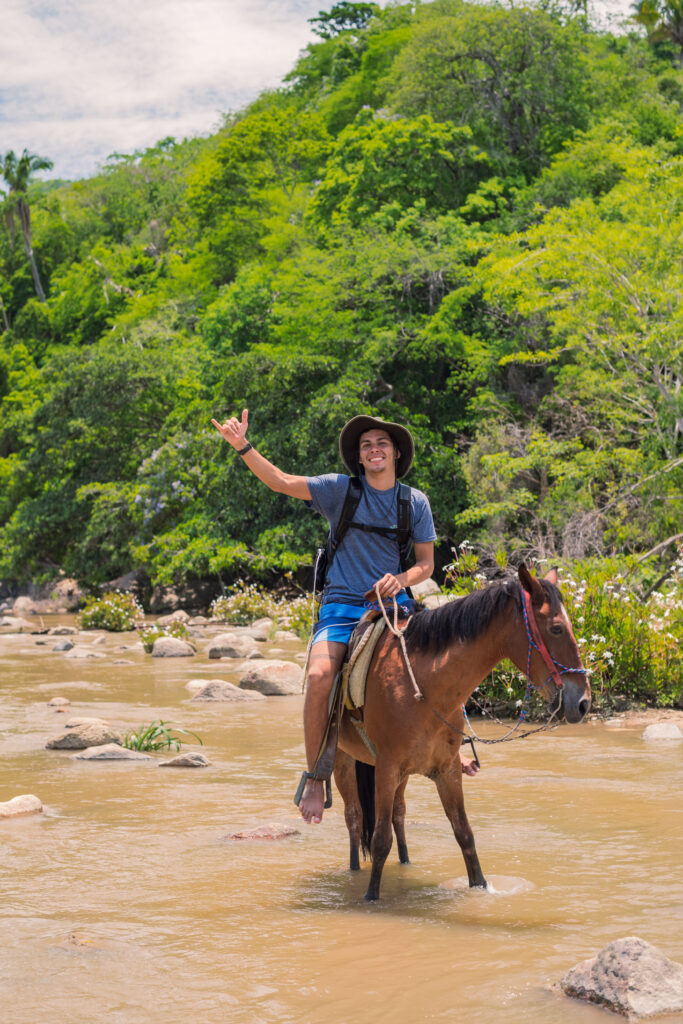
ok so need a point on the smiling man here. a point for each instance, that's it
(378, 453)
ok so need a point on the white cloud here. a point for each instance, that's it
(84, 78)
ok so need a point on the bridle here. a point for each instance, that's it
(536, 642)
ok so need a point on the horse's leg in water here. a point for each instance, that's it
(399, 820)
(449, 786)
(386, 784)
(345, 778)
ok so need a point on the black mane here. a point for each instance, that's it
(466, 617)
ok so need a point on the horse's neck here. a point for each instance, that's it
(465, 664)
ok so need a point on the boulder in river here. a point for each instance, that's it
(178, 616)
(84, 733)
(663, 731)
(63, 645)
(24, 606)
(111, 752)
(273, 678)
(58, 702)
(231, 645)
(18, 806)
(15, 624)
(172, 647)
(80, 651)
(193, 759)
(218, 690)
(631, 977)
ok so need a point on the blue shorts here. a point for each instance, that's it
(338, 621)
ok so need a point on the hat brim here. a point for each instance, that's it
(350, 436)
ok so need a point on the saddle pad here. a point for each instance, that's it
(355, 670)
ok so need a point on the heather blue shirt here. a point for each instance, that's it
(363, 558)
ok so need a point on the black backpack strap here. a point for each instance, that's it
(404, 536)
(354, 492)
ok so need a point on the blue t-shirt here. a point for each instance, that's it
(363, 558)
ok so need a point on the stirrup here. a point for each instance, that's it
(305, 776)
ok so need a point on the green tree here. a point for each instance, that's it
(663, 22)
(16, 173)
(343, 17)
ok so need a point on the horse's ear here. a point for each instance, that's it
(531, 585)
(551, 576)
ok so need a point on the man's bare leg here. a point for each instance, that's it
(325, 662)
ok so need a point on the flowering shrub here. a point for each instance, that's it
(116, 611)
(148, 634)
(244, 605)
(297, 615)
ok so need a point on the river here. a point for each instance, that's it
(125, 900)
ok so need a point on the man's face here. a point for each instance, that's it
(377, 451)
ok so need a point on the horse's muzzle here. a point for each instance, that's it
(576, 700)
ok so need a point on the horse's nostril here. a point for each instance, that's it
(584, 705)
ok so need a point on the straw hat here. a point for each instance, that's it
(350, 436)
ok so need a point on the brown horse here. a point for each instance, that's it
(451, 650)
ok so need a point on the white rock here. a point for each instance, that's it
(273, 678)
(199, 620)
(21, 805)
(285, 634)
(231, 645)
(220, 691)
(99, 640)
(84, 734)
(425, 588)
(111, 752)
(172, 647)
(24, 606)
(80, 651)
(663, 731)
(435, 600)
(58, 702)
(179, 616)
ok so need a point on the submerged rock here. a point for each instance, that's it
(63, 645)
(220, 690)
(18, 806)
(273, 678)
(272, 831)
(81, 651)
(58, 702)
(663, 731)
(111, 752)
(629, 976)
(190, 760)
(84, 733)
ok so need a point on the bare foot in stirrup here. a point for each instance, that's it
(311, 803)
(469, 765)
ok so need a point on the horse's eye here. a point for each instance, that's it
(556, 629)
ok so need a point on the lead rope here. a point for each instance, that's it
(418, 694)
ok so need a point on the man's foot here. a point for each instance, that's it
(311, 803)
(469, 765)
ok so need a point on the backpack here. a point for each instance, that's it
(401, 532)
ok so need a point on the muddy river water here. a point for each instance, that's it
(124, 901)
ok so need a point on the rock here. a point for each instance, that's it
(260, 631)
(24, 606)
(285, 634)
(92, 733)
(435, 600)
(62, 631)
(663, 731)
(629, 976)
(219, 690)
(172, 647)
(15, 624)
(63, 645)
(273, 678)
(81, 651)
(198, 620)
(424, 589)
(190, 760)
(179, 616)
(122, 661)
(68, 593)
(272, 831)
(98, 641)
(255, 656)
(231, 645)
(164, 599)
(18, 806)
(111, 752)
(58, 702)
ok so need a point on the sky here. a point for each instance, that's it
(81, 79)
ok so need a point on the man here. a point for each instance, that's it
(379, 453)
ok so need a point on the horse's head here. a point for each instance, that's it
(553, 662)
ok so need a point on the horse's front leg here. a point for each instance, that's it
(345, 778)
(399, 822)
(449, 786)
(386, 784)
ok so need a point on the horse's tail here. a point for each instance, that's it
(365, 780)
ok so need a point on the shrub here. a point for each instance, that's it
(244, 605)
(148, 634)
(297, 615)
(116, 611)
(157, 736)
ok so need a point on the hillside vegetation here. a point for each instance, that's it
(466, 218)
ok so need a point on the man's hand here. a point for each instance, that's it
(388, 586)
(233, 430)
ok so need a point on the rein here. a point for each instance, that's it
(535, 641)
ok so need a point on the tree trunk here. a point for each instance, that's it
(25, 221)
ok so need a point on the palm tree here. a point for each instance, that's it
(662, 20)
(16, 174)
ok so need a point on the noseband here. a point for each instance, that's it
(537, 642)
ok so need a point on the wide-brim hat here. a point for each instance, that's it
(350, 436)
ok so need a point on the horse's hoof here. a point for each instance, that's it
(369, 898)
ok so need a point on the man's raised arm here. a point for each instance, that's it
(234, 431)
